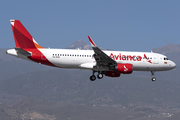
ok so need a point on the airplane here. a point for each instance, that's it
(104, 62)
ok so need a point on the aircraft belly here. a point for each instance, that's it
(146, 67)
(69, 62)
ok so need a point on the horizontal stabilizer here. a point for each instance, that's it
(23, 52)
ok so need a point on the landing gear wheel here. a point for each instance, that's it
(153, 79)
(93, 78)
(100, 76)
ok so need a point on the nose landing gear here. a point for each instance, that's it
(153, 78)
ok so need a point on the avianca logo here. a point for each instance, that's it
(126, 57)
(125, 69)
(147, 58)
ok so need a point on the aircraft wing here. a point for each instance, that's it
(101, 58)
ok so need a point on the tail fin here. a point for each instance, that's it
(22, 37)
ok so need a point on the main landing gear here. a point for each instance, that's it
(153, 78)
(99, 76)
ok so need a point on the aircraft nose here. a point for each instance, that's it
(173, 65)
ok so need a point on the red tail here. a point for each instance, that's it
(22, 37)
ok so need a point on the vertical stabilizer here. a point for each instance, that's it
(22, 37)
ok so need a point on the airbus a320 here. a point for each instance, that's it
(108, 63)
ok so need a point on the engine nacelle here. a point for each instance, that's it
(112, 74)
(124, 68)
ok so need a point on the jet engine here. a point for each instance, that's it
(118, 69)
(124, 68)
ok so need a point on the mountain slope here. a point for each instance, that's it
(35, 109)
(170, 50)
(79, 44)
(74, 86)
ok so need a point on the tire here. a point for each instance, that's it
(93, 78)
(99, 76)
(153, 79)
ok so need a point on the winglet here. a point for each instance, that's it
(92, 42)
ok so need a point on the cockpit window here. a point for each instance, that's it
(165, 58)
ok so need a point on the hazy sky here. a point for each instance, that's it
(138, 25)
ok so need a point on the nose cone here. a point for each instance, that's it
(172, 65)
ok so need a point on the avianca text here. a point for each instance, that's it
(126, 57)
